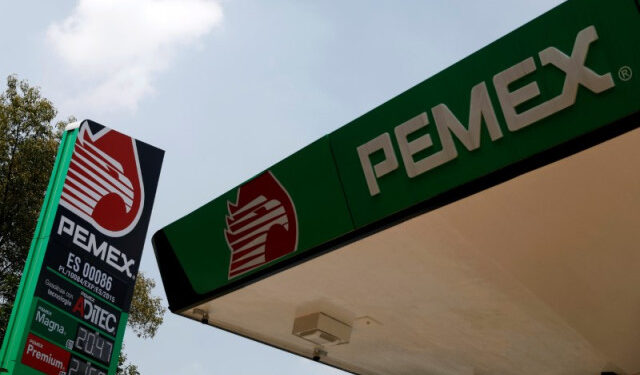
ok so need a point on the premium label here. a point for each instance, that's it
(45, 356)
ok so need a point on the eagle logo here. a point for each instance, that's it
(104, 183)
(261, 225)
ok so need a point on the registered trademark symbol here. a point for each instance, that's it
(625, 73)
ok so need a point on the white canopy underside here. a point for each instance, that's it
(538, 275)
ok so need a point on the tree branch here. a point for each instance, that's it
(9, 174)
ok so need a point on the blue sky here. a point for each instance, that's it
(228, 88)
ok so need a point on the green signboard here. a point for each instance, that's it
(559, 84)
(72, 305)
(295, 206)
(555, 79)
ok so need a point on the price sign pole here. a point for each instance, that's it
(72, 305)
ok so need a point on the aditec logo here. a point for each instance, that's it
(87, 308)
(261, 226)
(104, 183)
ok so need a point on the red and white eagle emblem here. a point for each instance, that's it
(261, 226)
(104, 183)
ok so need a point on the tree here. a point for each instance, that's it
(28, 144)
(145, 317)
(124, 368)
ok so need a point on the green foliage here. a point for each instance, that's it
(123, 367)
(145, 317)
(28, 145)
(146, 311)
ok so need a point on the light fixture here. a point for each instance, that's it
(321, 329)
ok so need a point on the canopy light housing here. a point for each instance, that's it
(321, 329)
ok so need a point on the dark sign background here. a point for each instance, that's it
(76, 263)
(131, 244)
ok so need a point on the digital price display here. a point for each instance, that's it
(93, 344)
(80, 367)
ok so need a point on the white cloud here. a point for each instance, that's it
(115, 47)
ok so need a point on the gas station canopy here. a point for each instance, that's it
(485, 221)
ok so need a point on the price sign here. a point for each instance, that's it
(79, 367)
(85, 255)
(93, 344)
(65, 331)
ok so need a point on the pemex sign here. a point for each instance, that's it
(449, 129)
(72, 306)
(561, 83)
